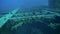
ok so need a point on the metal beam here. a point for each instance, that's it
(6, 17)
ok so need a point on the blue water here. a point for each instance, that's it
(11, 4)
(36, 27)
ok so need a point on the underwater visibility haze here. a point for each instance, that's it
(29, 17)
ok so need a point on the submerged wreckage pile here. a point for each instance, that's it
(20, 20)
(52, 19)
